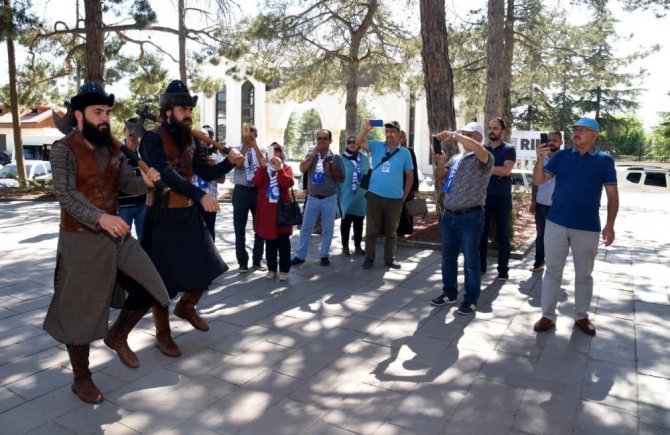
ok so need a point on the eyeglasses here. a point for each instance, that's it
(582, 130)
(351, 141)
(277, 150)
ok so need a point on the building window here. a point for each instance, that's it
(221, 114)
(248, 102)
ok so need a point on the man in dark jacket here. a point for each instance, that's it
(175, 235)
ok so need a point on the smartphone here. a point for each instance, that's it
(544, 138)
(376, 123)
(437, 145)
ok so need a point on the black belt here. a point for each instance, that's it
(242, 186)
(322, 196)
(466, 210)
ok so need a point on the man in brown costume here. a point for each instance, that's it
(95, 249)
(175, 234)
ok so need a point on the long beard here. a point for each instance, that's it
(182, 133)
(99, 139)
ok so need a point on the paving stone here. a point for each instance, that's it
(547, 408)
(488, 407)
(83, 420)
(50, 429)
(507, 368)
(647, 429)
(598, 419)
(327, 429)
(652, 314)
(287, 417)
(654, 401)
(41, 383)
(426, 409)
(610, 384)
(652, 351)
(563, 367)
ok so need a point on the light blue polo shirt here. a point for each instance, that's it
(579, 186)
(387, 180)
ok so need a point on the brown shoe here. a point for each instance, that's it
(117, 336)
(164, 341)
(185, 309)
(544, 324)
(83, 385)
(586, 326)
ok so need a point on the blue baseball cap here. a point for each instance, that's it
(587, 122)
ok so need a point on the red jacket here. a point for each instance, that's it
(265, 224)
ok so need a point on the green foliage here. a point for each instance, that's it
(310, 124)
(291, 137)
(625, 135)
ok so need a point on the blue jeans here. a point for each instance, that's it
(541, 212)
(500, 209)
(136, 213)
(461, 232)
(313, 208)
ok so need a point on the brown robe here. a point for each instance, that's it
(87, 257)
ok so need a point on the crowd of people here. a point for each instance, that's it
(170, 197)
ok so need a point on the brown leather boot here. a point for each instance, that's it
(185, 309)
(83, 386)
(117, 336)
(164, 340)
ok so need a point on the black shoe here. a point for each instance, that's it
(325, 261)
(260, 267)
(297, 262)
(442, 300)
(394, 265)
(466, 308)
(243, 269)
(346, 251)
(538, 265)
(502, 276)
(367, 264)
(359, 251)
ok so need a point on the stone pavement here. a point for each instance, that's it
(340, 350)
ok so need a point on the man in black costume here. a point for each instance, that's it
(175, 234)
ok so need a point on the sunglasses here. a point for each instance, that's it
(351, 141)
(276, 150)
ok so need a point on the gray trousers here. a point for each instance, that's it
(584, 245)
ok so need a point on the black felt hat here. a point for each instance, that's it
(90, 93)
(176, 94)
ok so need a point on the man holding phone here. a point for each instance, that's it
(387, 191)
(466, 178)
(541, 200)
(573, 222)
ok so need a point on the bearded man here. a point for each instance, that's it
(95, 248)
(175, 234)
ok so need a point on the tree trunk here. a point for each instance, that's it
(495, 57)
(353, 65)
(14, 103)
(182, 41)
(438, 78)
(508, 54)
(95, 57)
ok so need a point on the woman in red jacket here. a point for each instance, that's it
(274, 179)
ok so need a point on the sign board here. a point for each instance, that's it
(525, 143)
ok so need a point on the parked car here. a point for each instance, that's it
(654, 176)
(36, 170)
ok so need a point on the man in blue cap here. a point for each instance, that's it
(573, 221)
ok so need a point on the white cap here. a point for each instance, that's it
(473, 126)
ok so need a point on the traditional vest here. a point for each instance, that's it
(181, 162)
(97, 184)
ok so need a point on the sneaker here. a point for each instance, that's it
(325, 261)
(283, 276)
(243, 269)
(359, 251)
(442, 300)
(260, 267)
(394, 265)
(538, 265)
(502, 276)
(270, 275)
(466, 308)
(367, 264)
(297, 262)
(346, 251)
